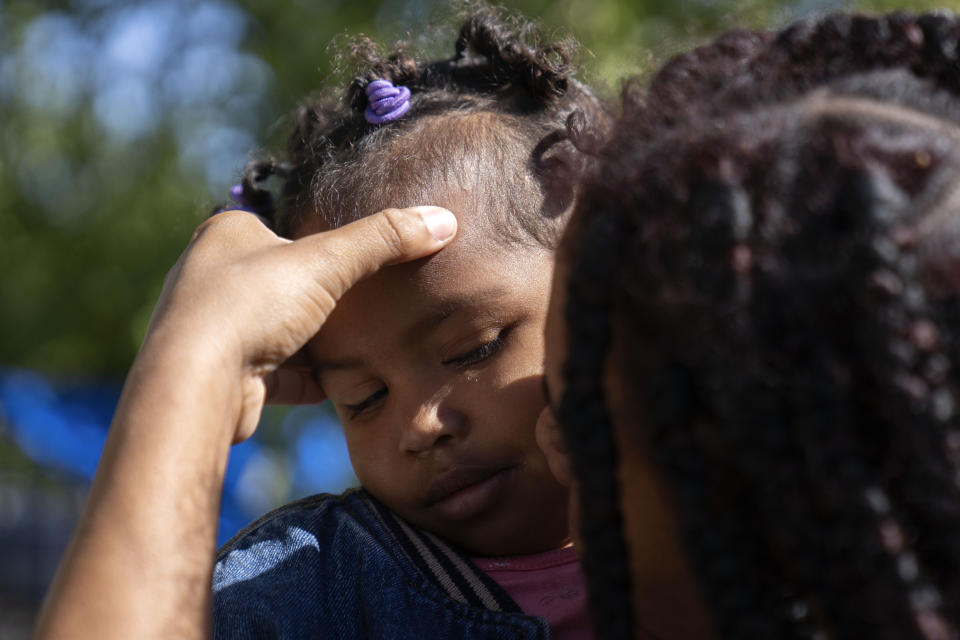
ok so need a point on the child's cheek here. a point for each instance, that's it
(551, 443)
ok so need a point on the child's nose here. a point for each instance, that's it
(432, 424)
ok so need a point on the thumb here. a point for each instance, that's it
(353, 252)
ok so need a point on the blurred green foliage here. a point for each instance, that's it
(122, 123)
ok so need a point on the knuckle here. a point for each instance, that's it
(171, 273)
(392, 231)
(168, 280)
(203, 229)
(334, 274)
(337, 283)
(228, 221)
(227, 228)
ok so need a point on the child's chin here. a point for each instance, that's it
(473, 501)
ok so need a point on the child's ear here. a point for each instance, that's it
(557, 165)
(550, 440)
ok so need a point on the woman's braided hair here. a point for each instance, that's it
(501, 119)
(787, 216)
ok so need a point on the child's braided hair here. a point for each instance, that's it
(499, 121)
(785, 256)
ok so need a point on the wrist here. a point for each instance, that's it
(162, 470)
(196, 375)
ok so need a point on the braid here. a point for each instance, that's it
(784, 198)
(587, 423)
(256, 197)
(724, 548)
(341, 166)
(732, 561)
(745, 70)
(917, 389)
(399, 68)
(790, 426)
(541, 71)
(832, 410)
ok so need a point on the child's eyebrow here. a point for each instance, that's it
(435, 316)
(321, 366)
(443, 310)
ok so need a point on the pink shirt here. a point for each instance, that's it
(550, 585)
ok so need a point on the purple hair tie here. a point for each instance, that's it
(387, 102)
(238, 196)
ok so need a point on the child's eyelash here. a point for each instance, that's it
(475, 356)
(355, 410)
(481, 353)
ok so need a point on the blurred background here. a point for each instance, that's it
(121, 125)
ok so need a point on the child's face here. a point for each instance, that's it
(434, 368)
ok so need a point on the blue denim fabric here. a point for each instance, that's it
(328, 567)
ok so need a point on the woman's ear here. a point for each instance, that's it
(551, 442)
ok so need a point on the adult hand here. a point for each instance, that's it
(250, 299)
(238, 305)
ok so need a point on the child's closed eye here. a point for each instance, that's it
(481, 353)
(470, 358)
(354, 411)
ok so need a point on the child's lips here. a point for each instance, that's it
(463, 492)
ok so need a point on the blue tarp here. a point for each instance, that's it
(62, 425)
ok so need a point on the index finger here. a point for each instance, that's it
(293, 382)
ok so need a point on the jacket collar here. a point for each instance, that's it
(443, 564)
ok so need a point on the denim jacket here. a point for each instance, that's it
(347, 567)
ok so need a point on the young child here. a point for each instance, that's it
(434, 367)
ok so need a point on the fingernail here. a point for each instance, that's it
(441, 222)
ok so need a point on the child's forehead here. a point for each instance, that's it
(476, 230)
(462, 284)
(479, 157)
(476, 256)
